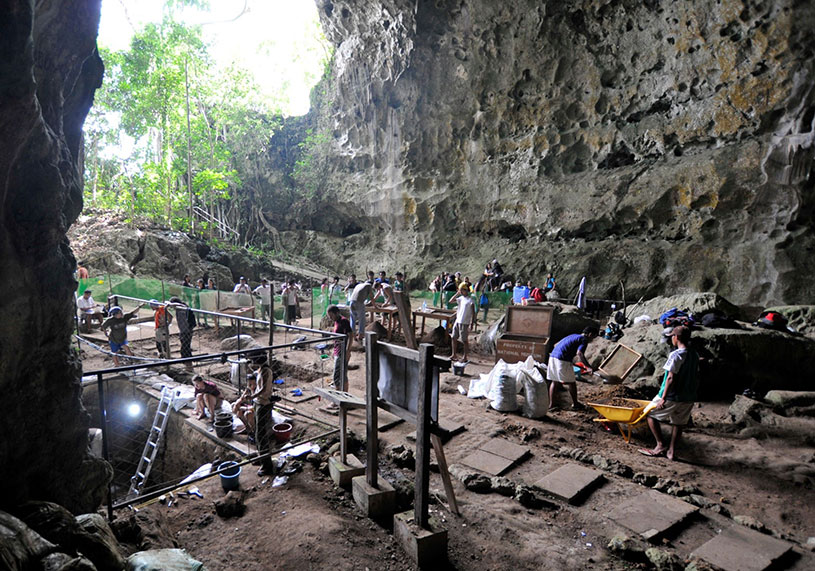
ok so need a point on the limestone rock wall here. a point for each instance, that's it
(49, 70)
(666, 144)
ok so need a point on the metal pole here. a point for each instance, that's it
(103, 421)
(163, 296)
(240, 387)
(312, 308)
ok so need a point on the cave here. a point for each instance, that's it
(731, 154)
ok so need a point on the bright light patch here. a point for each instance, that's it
(134, 409)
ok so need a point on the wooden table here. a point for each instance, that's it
(238, 312)
(390, 310)
(448, 315)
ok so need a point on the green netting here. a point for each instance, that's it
(147, 288)
(216, 300)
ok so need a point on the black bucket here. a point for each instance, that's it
(223, 427)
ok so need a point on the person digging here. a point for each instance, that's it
(674, 401)
(560, 370)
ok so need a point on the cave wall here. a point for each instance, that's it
(49, 70)
(666, 144)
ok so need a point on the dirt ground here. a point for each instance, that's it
(309, 523)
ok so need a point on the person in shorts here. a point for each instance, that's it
(117, 336)
(560, 367)
(674, 401)
(207, 397)
(464, 318)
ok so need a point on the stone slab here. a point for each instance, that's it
(426, 547)
(570, 483)
(342, 474)
(505, 449)
(738, 548)
(376, 503)
(488, 462)
(651, 513)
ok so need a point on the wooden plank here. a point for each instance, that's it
(371, 396)
(620, 362)
(438, 448)
(422, 483)
(399, 351)
(404, 319)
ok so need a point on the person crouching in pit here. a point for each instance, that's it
(207, 397)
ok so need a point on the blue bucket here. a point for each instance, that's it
(230, 475)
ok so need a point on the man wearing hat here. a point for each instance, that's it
(117, 338)
(674, 402)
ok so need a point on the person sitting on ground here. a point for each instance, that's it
(244, 410)
(399, 282)
(560, 368)
(264, 293)
(674, 401)
(342, 326)
(362, 294)
(464, 318)
(242, 286)
(117, 337)
(89, 309)
(207, 397)
(162, 320)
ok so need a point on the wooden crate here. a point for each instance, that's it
(528, 329)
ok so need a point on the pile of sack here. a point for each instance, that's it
(505, 382)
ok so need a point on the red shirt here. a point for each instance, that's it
(341, 327)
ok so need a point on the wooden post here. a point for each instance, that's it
(422, 483)
(371, 398)
(343, 440)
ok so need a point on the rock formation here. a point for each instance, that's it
(666, 144)
(49, 71)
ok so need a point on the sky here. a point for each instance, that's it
(277, 40)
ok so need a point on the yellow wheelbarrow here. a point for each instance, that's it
(624, 416)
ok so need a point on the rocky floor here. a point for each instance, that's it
(736, 480)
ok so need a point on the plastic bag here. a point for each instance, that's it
(163, 560)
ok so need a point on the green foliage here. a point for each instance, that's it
(309, 169)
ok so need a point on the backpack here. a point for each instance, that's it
(191, 323)
(675, 317)
(537, 294)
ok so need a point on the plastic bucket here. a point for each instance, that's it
(282, 431)
(230, 476)
(223, 428)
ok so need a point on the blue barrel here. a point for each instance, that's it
(230, 475)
